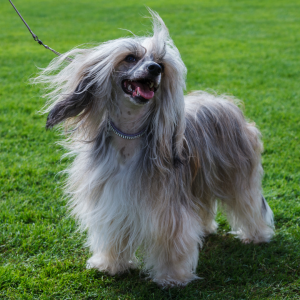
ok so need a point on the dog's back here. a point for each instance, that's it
(222, 142)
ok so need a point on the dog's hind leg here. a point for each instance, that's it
(248, 213)
(208, 214)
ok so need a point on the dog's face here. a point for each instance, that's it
(138, 76)
(135, 71)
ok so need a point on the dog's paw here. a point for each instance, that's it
(170, 281)
(246, 241)
(97, 262)
(101, 263)
(211, 228)
(256, 240)
(256, 237)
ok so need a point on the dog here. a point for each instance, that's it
(150, 164)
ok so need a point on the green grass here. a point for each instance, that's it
(249, 49)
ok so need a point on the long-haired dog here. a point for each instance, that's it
(150, 163)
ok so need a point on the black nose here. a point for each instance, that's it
(154, 69)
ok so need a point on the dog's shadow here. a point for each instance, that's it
(227, 269)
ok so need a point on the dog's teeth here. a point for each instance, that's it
(129, 88)
(137, 93)
(151, 85)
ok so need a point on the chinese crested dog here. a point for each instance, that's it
(149, 163)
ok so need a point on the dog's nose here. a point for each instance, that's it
(154, 69)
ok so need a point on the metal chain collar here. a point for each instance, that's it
(123, 135)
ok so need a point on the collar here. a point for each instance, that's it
(127, 136)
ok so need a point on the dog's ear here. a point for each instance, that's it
(73, 105)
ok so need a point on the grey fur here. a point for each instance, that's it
(72, 106)
(158, 192)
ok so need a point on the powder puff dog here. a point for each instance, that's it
(149, 163)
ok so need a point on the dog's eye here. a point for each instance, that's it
(130, 58)
(162, 67)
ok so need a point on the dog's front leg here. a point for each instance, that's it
(114, 259)
(173, 255)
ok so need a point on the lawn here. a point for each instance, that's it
(249, 49)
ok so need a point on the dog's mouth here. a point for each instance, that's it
(143, 89)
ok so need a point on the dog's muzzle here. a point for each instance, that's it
(142, 89)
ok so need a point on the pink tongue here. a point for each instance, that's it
(143, 90)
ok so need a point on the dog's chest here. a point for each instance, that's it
(113, 179)
(126, 150)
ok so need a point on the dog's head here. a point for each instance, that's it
(139, 76)
(141, 70)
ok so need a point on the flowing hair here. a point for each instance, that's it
(90, 75)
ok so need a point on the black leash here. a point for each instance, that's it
(35, 37)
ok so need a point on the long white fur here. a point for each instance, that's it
(163, 198)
